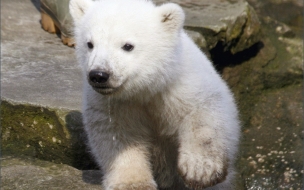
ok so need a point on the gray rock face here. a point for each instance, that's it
(35, 67)
(234, 23)
(28, 173)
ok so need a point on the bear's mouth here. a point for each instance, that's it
(104, 90)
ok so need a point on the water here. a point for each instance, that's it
(109, 108)
(110, 118)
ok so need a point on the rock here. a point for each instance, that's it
(56, 136)
(267, 82)
(36, 68)
(28, 173)
(234, 23)
(273, 140)
(284, 30)
(279, 27)
(289, 12)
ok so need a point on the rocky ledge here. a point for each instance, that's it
(29, 173)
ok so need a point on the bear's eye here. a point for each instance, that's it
(128, 47)
(90, 45)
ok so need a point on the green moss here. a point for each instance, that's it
(39, 132)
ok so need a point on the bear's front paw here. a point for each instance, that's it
(199, 172)
(134, 186)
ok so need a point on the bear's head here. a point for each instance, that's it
(127, 47)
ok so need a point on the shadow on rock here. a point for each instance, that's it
(81, 153)
(222, 58)
(83, 159)
(36, 3)
(92, 176)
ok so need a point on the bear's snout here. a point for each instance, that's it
(100, 81)
(98, 77)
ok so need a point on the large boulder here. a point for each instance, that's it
(267, 81)
(52, 135)
(233, 23)
(28, 173)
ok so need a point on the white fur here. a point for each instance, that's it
(172, 119)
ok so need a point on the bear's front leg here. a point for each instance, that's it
(129, 170)
(202, 159)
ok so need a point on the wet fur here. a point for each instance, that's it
(172, 122)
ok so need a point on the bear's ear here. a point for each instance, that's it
(172, 16)
(78, 8)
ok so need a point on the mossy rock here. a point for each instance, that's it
(267, 81)
(55, 136)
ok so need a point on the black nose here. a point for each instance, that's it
(98, 77)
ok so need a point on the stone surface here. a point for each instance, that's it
(234, 23)
(38, 132)
(35, 67)
(268, 84)
(28, 173)
(289, 12)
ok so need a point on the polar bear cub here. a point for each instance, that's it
(156, 112)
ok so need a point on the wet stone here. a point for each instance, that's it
(267, 84)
